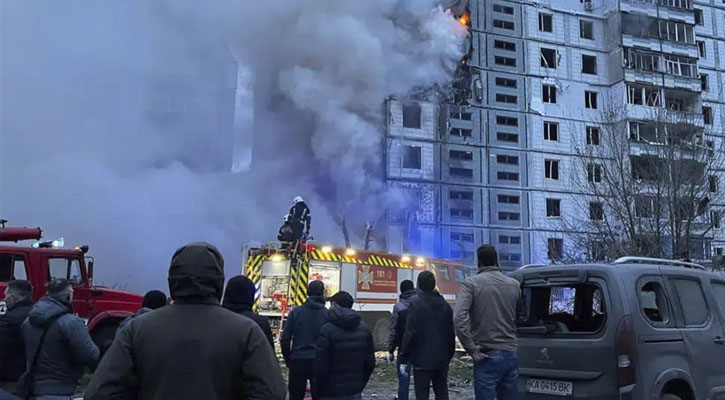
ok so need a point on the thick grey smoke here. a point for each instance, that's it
(117, 118)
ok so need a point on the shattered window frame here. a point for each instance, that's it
(591, 99)
(592, 133)
(551, 169)
(553, 208)
(412, 116)
(586, 29)
(413, 157)
(551, 131)
(589, 64)
(548, 93)
(548, 57)
(546, 22)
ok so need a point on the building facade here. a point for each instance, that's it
(499, 162)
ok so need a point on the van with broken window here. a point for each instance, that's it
(638, 328)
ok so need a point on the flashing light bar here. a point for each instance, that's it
(55, 244)
(326, 249)
(350, 252)
(277, 257)
(405, 259)
(420, 260)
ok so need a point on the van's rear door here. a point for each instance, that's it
(566, 336)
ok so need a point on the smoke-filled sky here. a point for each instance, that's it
(117, 118)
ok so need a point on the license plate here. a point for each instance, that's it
(543, 386)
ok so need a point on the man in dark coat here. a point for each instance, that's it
(19, 301)
(67, 347)
(152, 300)
(345, 356)
(429, 342)
(298, 339)
(300, 218)
(239, 298)
(192, 349)
(397, 329)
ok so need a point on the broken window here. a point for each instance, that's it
(561, 310)
(586, 29)
(460, 195)
(503, 9)
(508, 25)
(589, 64)
(715, 219)
(546, 22)
(554, 248)
(596, 211)
(506, 159)
(551, 131)
(504, 45)
(701, 49)
(465, 133)
(508, 199)
(699, 20)
(551, 169)
(505, 61)
(553, 208)
(644, 206)
(461, 114)
(549, 93)
(507, 176)
(412, 157)
(707, 115)
(681, 66)
(507, 137)
(643, 95)
(461, 172)
(648, 133)
(594, 173)
(508, 121)
(686, 4)
(503, 82)
(509, 216)
(506, 98)
(593, 138)
(412, 115)
(676, 32)
(460, 155)
(646, 168)
(590, 100)
(704, 84)
(548, 58)
(712, 183)
(641, 60)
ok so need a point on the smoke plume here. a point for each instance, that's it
(119, 128)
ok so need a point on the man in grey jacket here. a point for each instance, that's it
(66, 349)
(485, 322)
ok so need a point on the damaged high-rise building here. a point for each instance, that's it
(499, 160)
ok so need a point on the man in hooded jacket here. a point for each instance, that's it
(19, 301)
(239, 298)
(152, 300)
(66, 348)
(397, 330)
(192, 349)
(298, 339)
(345, 355)
(429, 342)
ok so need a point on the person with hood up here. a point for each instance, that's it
(152, 300)
(193, 348)
(19, 301)
(397, 329)
(345, 355)
(298, 339)
(429, 342)
(239, 298)
(57, 345)
(485, 321)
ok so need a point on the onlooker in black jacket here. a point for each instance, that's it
(67, 347)
(19, 301)
(397, 329)
(192, 349)
(298, 339)
(239, 298)
(429, 342)
(345, 356)
(152, 300)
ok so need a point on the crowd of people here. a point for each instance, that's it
(209, 343)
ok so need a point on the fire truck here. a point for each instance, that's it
(101, 308)
(281, 273)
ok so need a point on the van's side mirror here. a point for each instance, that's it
(90, 270)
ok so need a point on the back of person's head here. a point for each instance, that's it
(60, 289)
(154, 299)
(487, 256)
(316, 288)
(18, 291)
(240, 291)
(426, 281)
(196, 273)
(406, 286)
(342, 299)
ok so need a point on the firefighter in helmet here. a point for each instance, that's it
(286, 233)
(299, 219)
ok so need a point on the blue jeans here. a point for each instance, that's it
(497, 376)
(348, 397)
(403, 383)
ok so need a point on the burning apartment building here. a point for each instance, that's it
(498, 159)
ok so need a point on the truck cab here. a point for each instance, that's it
(101, 308)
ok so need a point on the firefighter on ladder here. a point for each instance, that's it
(299, 219)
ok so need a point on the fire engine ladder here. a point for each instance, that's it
(299, 276)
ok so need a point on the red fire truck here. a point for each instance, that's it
(102, 308)
(372, 278)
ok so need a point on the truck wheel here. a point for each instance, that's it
(668, 396)
(103, 337)
(380, 333)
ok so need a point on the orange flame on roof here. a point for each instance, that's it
(465, 19)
